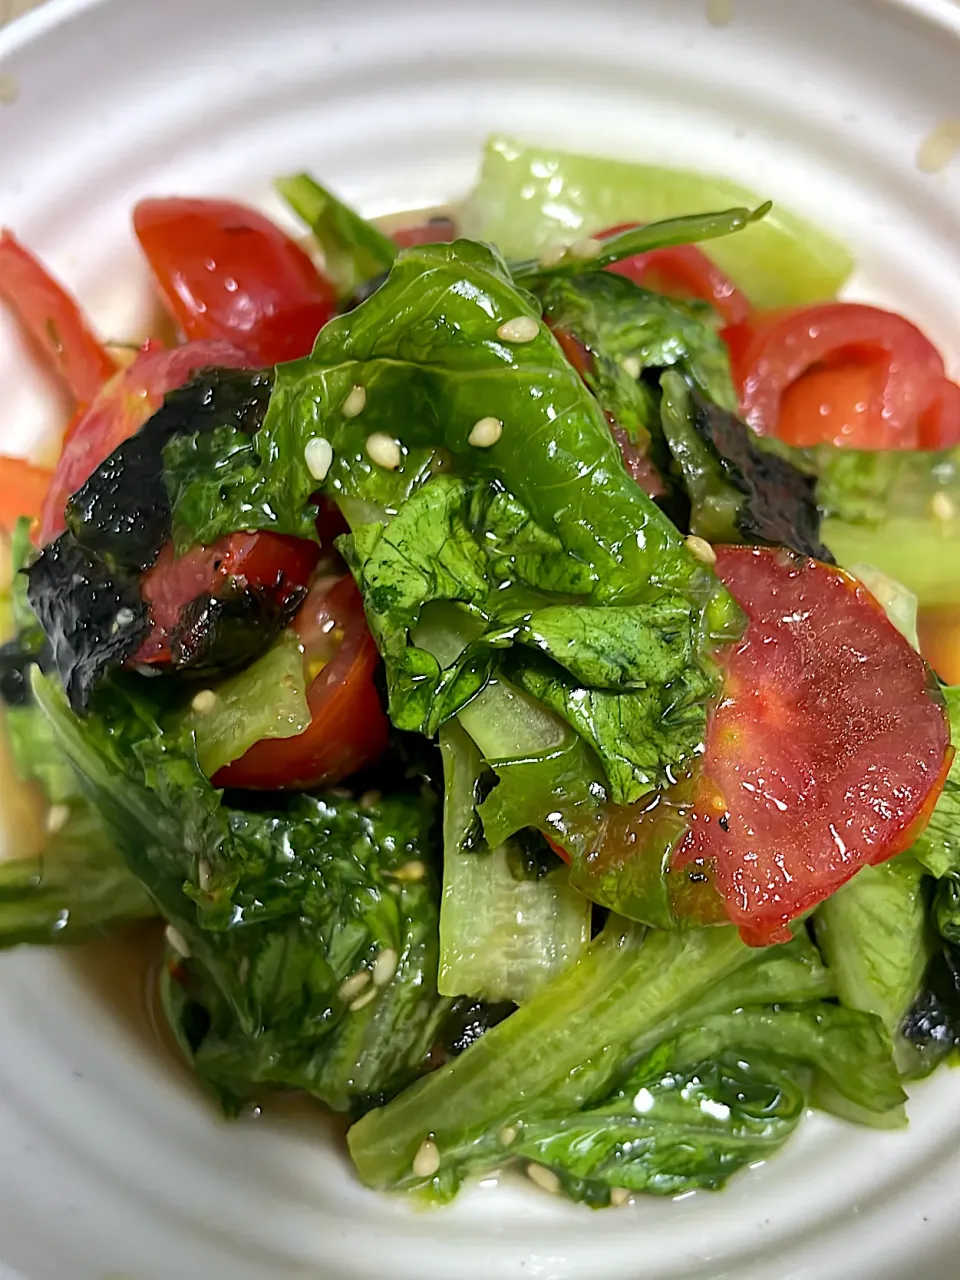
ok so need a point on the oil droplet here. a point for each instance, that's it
(719, 12)
(9, 90)
(939, 147)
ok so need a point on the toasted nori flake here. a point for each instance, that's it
(122, 512)
(779, 505)
(468, 1020)
(219, 633)
(85, 586)
(93, 616)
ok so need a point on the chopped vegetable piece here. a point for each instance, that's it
(805, 776)
(54, 322)
(23, 488)
(227, 273)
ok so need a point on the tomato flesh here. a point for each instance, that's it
(121, 409)
(348, 727)
(53, 321)
(845, 374)
(227, 272)
(438, 230)
(827, 747)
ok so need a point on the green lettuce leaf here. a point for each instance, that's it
(308, 931)
(529, 198)
(353, 249)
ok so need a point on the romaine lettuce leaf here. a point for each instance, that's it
(307, 930)
(532, 197)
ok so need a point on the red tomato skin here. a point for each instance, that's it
(120, 410)
(348, 729)
(226, 272)
(268, 562)
(684, 271)
(53, 321)
(911, 399)
(826, 751)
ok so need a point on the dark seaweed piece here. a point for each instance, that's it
(227, 631)
(16, 659)
(932, 1026)
(780, 505)
(92, 615)
(467, 1021)
(122, 512)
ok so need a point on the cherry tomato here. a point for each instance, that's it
(23, 488)
(843, 373)
(267, 562)
(54, 322)
(348, 728)
(122, 407)
(827, 750)
(225, 271)
(682, 271)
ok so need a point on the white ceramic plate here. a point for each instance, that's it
(111, 1163)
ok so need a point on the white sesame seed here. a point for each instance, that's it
(485, 433)
(355, 402)
(412, 870)
(363, 1000)
(427, 1160)
(125, 617)
(177, 940)
(318, 455)
(553, 255)
(204, 874)
(545, 1178)
(631, 365)
(384, 450)
(351, 987)
(385, 966)
(58, 815)
(942, 506)
(519, 329)
(701, 550)
(619, 1196)
(507, 1135)
(204, 701)
(586, 249)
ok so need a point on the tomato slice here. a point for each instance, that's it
(121, 409)
(348, 728)
(842, 373)
(826, 751)
(225, 271)
(54, 321)
(23, 488)
(269, 563)
(682, 271)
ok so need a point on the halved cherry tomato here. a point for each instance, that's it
(54, 321)
(827, 750)
(267, 562)
(23, 488)
(349, 728)
(439, 230)
(682, 271)
(122, 407)
(939, 632)
(225, 271)
(843, 373)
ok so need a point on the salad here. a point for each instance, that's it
(493, 649)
